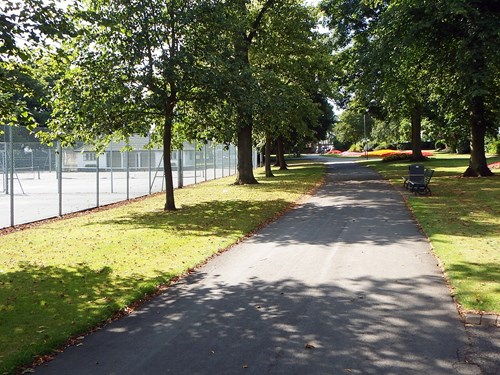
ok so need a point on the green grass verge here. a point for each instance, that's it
(462, 220)
(60, 279)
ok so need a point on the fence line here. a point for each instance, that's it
(39, 182)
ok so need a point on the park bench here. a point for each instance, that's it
(421, 186)
(415, 174)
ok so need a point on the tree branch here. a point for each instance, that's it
(258, 20)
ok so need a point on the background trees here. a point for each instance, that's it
(417, 59)
(240, 71)
(222, 70)
(25, 27)
(292, 64)
(134, 65)
(462, 43)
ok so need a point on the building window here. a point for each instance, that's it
(89, 156)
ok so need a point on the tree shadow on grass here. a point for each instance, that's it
(485, 276)
(478, 271)
(41, 307)
(214, 218)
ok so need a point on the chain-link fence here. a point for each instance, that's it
(39, 182)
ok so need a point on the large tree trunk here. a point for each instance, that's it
(477, 164)
(245, 116)
(267, 158)
(242, 45)
(416, 129)
(281, 154)
(245, 167)
(452, 144)
(167, 165)
(277, 161)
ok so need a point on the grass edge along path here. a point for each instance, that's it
(462, 221)
(63, 278)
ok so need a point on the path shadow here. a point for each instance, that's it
(207, 326)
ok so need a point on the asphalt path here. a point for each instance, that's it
(343, 284)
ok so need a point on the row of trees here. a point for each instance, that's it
(250, 72)
(226, 70)
(414, 60)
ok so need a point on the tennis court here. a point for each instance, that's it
(49, 182)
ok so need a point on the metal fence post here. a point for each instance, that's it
(236, 160)
(222, 160)
(215, 162)
(128, 174)
(150, 153)
(50, 160)
(59, 176)
(205, 158)
(12, 167)
(111, 165)
(180, 183)
(195, 148)
(6, 167)
(97, 180)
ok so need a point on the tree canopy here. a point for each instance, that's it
(421, 59)
(26, 27)
(220, 70)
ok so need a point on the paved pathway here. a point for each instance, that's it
(344, 284)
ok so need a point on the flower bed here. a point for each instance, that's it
(384, 153)
(378, 153)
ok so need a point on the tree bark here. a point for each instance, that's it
(277, 161)
(245, 117)
(245, 167)
(267, 158)
(416, 129)
(167, 164)
(452, 144)
(281, 153)
(478, 165)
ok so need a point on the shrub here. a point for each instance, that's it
(494, 147)
(384, 146)
(440, 145)
(356, 147)
(396, 157)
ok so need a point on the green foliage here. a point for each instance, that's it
(351, 126)
(356, 147)
(434, 59)
(26, 26)
(384, 146)
(391, 131)
(278, 82)
(494, 147)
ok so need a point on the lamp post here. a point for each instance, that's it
(365, 143)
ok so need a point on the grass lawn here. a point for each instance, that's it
(62, 278)
(462, 220)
